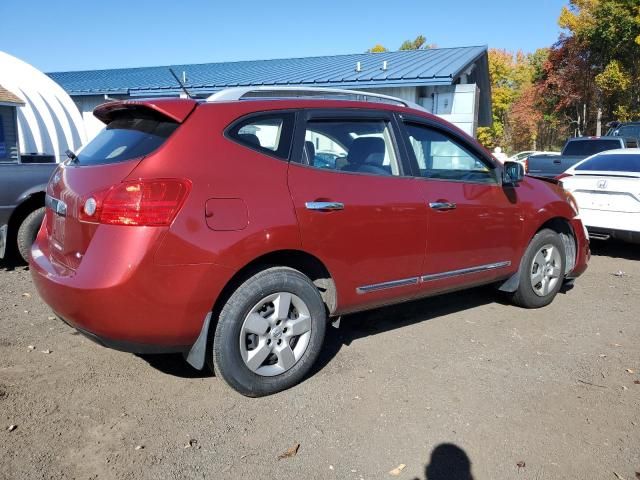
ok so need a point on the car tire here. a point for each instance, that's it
(269, 333)
(28, 231)
(541, 271)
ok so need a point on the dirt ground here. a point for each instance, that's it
(450, 386)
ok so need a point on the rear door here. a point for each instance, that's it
(359, 213)
(474, 225)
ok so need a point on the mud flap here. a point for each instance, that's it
(198, 353)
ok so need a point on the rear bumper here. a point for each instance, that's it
(612, 221)
(121, 299)
(130, 347)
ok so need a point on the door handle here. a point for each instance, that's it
(557, 162)
(442, 205)
(324, 206)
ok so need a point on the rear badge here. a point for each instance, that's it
(602, 184)
(58, 206)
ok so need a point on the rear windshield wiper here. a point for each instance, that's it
(72, 156)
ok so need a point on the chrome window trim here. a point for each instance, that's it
(464, 271)
(431, 277)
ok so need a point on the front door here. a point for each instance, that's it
(357, 211)
(474, 223)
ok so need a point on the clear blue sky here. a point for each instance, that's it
(58, 35)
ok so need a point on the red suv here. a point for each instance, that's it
(212, 227)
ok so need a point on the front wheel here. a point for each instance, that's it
(541, 271)
(269, 332)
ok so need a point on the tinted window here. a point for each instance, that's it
(613, 163)
(126, 137)
(628, 131)
(439, 156)
(590, 147)
(268, 133)
(357, 146)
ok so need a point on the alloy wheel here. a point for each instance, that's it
(275, 334)
(545, 270)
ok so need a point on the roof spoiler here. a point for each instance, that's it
(177, 109)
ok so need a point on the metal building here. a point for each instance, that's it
(450, 82)
(38, 120)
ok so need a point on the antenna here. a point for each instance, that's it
(184, 76)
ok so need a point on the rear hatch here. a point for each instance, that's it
(134, 130)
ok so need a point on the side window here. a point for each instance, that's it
(357, 146)
(441, 157)
(268, 133)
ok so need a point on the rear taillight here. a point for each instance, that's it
(141, 202)
(525, 164)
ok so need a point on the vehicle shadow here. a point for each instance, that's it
(448, 462)
(175, 365)
(353, 327)
(372, 322)
(615, 249)
(10, 263)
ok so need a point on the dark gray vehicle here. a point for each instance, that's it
(576, 149)
(22, 194)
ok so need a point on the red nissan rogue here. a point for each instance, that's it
(214, 228)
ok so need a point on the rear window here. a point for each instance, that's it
(590, 147)
(127, 136)
(612, 163)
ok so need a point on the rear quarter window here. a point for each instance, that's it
(128, 136)
(269, 133)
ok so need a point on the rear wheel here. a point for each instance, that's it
(269, 332)
(28, 231)
(542, 271)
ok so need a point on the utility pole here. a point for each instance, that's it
(599, 123)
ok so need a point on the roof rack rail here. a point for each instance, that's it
(264, 92)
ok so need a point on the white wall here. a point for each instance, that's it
(457, 104)
(86, 104)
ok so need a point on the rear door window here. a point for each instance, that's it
(351, 145)
(126, 137)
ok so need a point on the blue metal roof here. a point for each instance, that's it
(437, 66)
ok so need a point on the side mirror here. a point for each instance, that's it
(512, 173)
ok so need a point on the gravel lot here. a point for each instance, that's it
(441, 385)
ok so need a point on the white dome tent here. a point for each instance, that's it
(49, 122)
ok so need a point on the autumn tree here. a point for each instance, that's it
(595, 65)
(377, 48)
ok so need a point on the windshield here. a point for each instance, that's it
(612, 163)
(590, 147)
(127, 136)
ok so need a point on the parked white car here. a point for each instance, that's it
(606, 187)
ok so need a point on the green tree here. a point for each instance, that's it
(419, 43)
